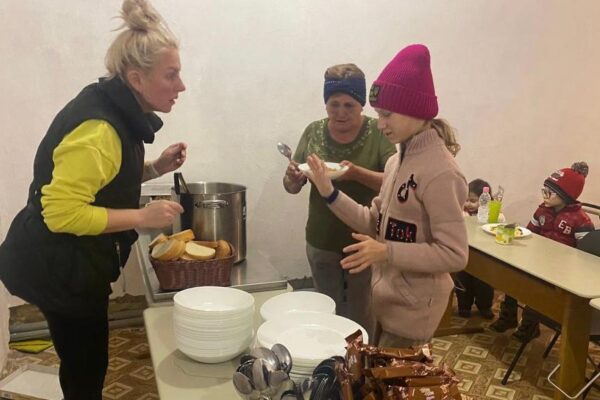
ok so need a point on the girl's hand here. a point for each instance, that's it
(171, 158)
(365, 253)
(159, 213)
(318, 175)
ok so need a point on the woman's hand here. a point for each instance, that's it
(350, 174)
(294, 179)
(293, 174)
(318, 175)
(365, 253)
(159, 213)
(171, 158)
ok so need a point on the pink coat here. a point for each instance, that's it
(418, 214)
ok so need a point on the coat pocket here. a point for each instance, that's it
(75, 271)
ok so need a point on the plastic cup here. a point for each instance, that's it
(494, 211)
(504, 234)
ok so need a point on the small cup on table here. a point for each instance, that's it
(494, 211)
(505, 233)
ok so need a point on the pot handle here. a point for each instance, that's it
(212, 204)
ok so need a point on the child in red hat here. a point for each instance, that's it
(559, 218)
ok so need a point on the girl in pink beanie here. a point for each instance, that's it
(413, 234)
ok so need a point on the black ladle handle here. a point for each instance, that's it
(176, 182)
(180, 183)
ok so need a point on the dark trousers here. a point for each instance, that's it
(475, 292)
(351, 292)
(82, 346)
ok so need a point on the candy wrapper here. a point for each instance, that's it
(379, 373)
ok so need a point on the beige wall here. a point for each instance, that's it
(519, 82)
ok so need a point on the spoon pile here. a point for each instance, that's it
(263, 374)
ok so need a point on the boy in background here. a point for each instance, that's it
(559, 218)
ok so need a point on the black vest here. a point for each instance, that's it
(64, 272)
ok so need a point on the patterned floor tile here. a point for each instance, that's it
(500, 393)
(514, 375)
(440, 344)
(144, 373)
(117, 363)
(474, 351)
(116, 390)
(467, 367)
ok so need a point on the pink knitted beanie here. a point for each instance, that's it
(405, 86)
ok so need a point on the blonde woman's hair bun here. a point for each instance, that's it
(144, 34)
(139, 15)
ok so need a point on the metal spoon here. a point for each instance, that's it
(242, 383)
(260, 374)
(284, 357)
(285, 150)
(276, 378)
(267, 356)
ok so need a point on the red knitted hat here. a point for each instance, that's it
(405, 86)
(568, 182)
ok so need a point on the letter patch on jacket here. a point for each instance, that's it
(378, 226)
(405, 187)
(400, 231)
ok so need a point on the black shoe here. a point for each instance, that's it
(486, 313)
(525, 334)
(464, 313)
(502, 325)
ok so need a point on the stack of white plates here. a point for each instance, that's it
(213, 324)
(297, 301)
(310, 337)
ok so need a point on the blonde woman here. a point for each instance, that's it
(413, 234)
(72, 239)
(348, 137)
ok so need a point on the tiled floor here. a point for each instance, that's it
(481, 359)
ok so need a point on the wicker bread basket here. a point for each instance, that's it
(183, 274)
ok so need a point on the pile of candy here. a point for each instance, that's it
(373, 373)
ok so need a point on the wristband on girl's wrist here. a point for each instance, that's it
(331, 198)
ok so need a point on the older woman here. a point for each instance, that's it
(66, 246)
(348, 137)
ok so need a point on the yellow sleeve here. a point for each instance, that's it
(86, 160)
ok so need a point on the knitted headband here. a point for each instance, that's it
(353, 87)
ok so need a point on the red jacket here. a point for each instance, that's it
(566, 226)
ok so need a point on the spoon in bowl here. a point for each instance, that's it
(285, 150)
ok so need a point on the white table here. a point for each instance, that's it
(181, 378)
(554, 279)
(595, 303)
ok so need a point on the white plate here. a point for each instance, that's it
(491, 229)
(335, 170)
(296, 301)
(309, 336)
(215, 301)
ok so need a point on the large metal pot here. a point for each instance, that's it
(214, 210)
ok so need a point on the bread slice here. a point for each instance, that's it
(184, 236)
(198, 252)
(212, 245)
(172, 249)
(159, 239)
(223, 249)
